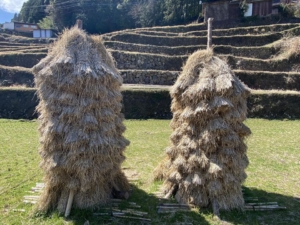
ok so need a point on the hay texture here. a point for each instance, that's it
(206, 161)
(81, 124)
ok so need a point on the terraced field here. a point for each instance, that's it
(17, 56)
(253, 52)
(263, 57)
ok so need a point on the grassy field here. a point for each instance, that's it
(273, 174)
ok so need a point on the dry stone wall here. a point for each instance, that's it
(141, 104)
(253, 52)
(26, 60)
(238, 40)
(157, 77)
(132, 60)
(181, 50)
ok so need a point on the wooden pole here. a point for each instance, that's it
(209, 33)
(69, 204)
(79, 24)
(216, 208)
(169, 194)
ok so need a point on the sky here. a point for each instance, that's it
(8, 8)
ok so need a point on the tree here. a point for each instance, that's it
(47, 23)
(64, 13)
(16, 18)
(180, 11)
(33, 11)
(102, 16)
(97, 16)
(146, 12)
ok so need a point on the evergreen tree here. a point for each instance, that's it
(181, 11)
(16, 18)
(101, 16)
(64, 13)
(33, 11)
(144, 13)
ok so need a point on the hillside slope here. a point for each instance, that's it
(264, 57)
(251, 52)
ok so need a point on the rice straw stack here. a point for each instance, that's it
(206, 160)
(81, 124)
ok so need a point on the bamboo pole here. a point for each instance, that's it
(69, 204)
(19, 210)
(134, 212)
(209, 33)
(131, 217)
(176, 205)
(29, 201)
(101, 214)
(31, 197)
(261, 203)
(169, 194)
(264, 208)
(40, 185)
(170, 210)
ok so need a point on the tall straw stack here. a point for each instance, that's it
(81, 124)
(206, 161)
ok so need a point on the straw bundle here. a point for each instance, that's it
(80, 123)
(206, 161)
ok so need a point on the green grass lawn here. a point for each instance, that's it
(273, 174)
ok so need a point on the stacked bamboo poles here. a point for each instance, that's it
(206, 161)
(81, 125)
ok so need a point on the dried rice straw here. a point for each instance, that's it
(206, 161)
(81, 124)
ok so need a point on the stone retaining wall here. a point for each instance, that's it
(154, 104)
(254, 79)
(239, 40)
(11, 76)
(269, 80)
(132, 60)
(181, 50)
(26, 60)
(252, 52)
(256, 30)
(149, 77)
(284, 65)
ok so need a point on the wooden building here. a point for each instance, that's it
(230, 10)
(20, 27)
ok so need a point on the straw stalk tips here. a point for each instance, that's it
(81, 125)
(206, 161)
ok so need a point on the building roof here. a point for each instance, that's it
(23, 23)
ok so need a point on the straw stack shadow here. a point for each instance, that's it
(81, 125)
(206, 161)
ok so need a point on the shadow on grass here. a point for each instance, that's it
(149, 203)
(288, 216)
